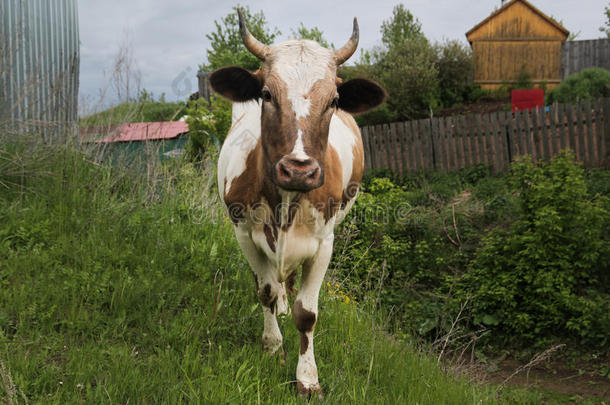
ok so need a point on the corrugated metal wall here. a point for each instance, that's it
(39, 66)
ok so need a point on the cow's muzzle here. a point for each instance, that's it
(298, 175)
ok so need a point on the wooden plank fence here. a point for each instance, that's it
(452, 143)
(579, 55)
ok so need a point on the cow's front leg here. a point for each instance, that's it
(269, 290)
(305, 314)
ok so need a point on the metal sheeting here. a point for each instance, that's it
(39, 65)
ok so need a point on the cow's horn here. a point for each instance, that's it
(344, 53)
(256, 47)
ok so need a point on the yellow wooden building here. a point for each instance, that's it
(515, 37)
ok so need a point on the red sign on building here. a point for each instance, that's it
(526, 99)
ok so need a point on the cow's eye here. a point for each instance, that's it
(266, 95)
(334, 103)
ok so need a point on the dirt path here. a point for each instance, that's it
(580, 380)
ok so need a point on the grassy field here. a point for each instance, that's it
(125, 285)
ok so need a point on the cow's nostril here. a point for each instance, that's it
(312, 173)
(284, 172)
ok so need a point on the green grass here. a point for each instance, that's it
(142, 110)
(120, 287)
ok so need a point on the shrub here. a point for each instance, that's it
(455, 72)
(208, 125)
(527, 251)
(590, 83)
(542, 278)
(409, 74)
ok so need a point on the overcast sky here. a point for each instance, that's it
(168, 37)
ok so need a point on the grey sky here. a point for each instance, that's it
(168, 37)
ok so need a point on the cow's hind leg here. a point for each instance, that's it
(305, 314)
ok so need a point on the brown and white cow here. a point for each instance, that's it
(289, 171)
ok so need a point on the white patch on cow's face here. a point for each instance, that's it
(300, 106)
(300, 64)
(298, 152)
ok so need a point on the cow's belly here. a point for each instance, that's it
(287, 250)
(298, 246)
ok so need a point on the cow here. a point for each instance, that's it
(289, 171)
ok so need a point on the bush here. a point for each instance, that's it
(208, 125)
(455, 72)
(542, 278)
(590, 83)
(526, 251)
(409, 73)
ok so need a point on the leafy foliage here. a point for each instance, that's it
(208, 124)
(545, 275)
(314, 34)
(606, 28)
(226, 44)
(409, 72)
(587, 84)
(401, 27)
(420, 77)
(524, 254)
(455, 72)
(405, 66)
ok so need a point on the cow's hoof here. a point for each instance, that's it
(271, 343)
(272, 346)
(309, 390)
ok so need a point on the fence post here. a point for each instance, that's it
(431, 133)
(508, 135)
(606, 141)
(365, 147)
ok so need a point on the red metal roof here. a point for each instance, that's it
(146, 131)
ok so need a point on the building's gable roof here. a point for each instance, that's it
(510, 4)
(146, 131)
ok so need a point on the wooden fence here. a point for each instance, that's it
(451, 143)
(579, 55)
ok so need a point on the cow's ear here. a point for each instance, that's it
(360, 95)
(236, 84)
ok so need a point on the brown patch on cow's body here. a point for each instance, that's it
(304, 319)
(290, 283)
(244, 189)
(252, 186)
(271, 236)
(304, 343)
(264, 295)
(327, 199)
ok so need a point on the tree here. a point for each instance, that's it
(409, 73)
(226, 46)
(455, 72)
(403, 26)
(406, 66)
(606, 28)
(314, 34)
